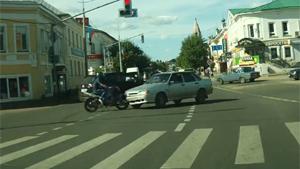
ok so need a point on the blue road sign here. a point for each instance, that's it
(217, 47)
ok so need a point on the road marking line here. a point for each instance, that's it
(42, 133)
(294, 128)
(250, 148)
(57, 128)
(16, 141)
(187, 120)
(186, 153)
(189, 116)
(90, 118)
(73, 152)
(179, 127)
(190, 113)
(32, 149)
(122, 156)
(70, 124)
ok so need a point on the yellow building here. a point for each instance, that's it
(28, 31)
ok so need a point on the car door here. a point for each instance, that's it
(176, 88)
(191, 85)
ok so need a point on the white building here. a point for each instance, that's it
(276, 24)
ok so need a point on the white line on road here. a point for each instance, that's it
(250, 150)
(32, 149)
(187, 120)
(189, 116)
(180, 127)
(42, 133)
(122, 156)
(294, 128)
(190, 113)
(187, 152)
(16, 141)
(57, 128)
(70, 124)
(73, 152)
(90, 118)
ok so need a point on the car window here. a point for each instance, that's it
(188, 77)
(196, 77)
(176, 78)
(159, 78)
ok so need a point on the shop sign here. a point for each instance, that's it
(278, 43)
(94, 57)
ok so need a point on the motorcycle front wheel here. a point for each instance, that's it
(91, 104)
(123, 104)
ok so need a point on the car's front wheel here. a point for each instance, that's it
(201, 96)
(160, 100)
(242, 80)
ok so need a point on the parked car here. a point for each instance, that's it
(122, 80)
(170, 86)
(295, 74)
(241, 74)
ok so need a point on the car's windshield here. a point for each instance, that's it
(159, 78)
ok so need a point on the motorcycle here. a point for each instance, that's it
(111, 96)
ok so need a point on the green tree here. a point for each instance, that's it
(132, 56)
(193, 53)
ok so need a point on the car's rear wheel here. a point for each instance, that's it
(252, 80)
(136, 106)
(221, 81)
(160, 100)
(201, 96)
(177, 102)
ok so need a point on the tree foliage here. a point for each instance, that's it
(132, 56)
(193, 53)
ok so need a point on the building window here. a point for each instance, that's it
(2, 38)
(274, 54)
(79, 68)
(287, 52)
(75, 69)
(14, 87)
(93, 49)
(22, 38)
(250, 31)
(285, 28)
(80, 42)
(71, 68)
(77, 44)
(258, 30)
(69, 37)
(73, 40)
(271, 29)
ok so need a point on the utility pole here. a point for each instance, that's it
(84, 40)
(119, 43)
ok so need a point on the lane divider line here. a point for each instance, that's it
(180, 127)
(57, 128)
(42, 133)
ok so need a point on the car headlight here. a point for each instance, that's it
(144, 92)
(294, 72)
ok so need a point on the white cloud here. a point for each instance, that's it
(159, 20)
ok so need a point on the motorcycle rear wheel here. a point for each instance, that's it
(91, 105)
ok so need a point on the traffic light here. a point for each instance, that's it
(142, 38)
(128, 5)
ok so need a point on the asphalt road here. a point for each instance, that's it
(241, 126)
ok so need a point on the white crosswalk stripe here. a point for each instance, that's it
(187, 152)
(73, 152)
(250, 150)
(294, 128)
(122, 156)
(32, 149)
(16, 141)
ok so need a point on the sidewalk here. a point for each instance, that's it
(45, 102)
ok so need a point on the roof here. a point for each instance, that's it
(275, 4)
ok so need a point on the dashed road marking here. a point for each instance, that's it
(187, 152)
(70, 124)
(73, 152)
(189, 116)
(42, 133)
(180, 127)
(57, 128)
(187, 120)
(250, 149)
(35, 148)
(125, 154)
(16, 141)
(294, 128)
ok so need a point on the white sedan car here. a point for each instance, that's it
(170, 86)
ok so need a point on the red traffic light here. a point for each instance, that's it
(127, 5)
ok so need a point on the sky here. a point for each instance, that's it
(164, 23)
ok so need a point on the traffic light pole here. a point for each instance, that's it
(119, 44)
